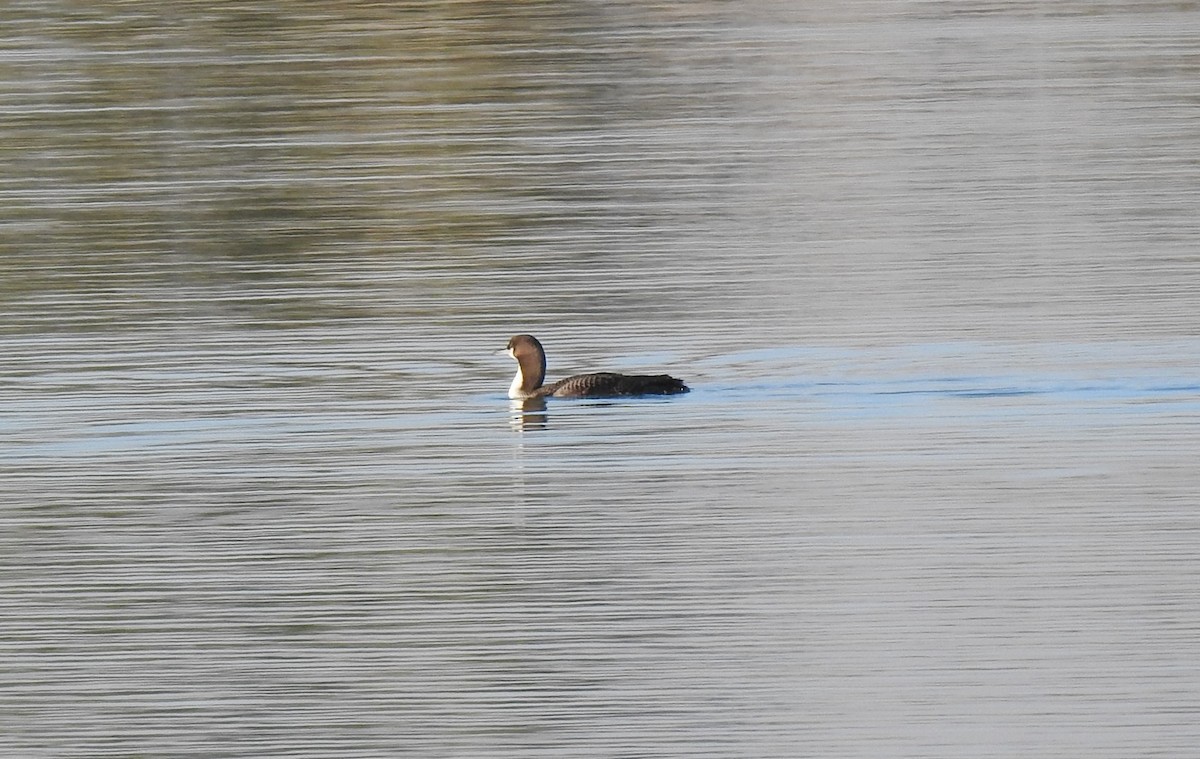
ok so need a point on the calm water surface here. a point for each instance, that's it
(931, 270)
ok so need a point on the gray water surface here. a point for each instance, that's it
(931, 270)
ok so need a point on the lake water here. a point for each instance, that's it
(931, 269)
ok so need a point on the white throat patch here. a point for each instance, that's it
(514, 390)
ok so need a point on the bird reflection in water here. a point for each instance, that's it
(528, 414)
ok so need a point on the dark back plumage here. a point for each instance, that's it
(608, 384)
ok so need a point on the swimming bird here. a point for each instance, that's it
(531, 371)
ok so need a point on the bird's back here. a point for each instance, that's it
(609, 384)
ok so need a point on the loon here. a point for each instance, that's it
(531, 370)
